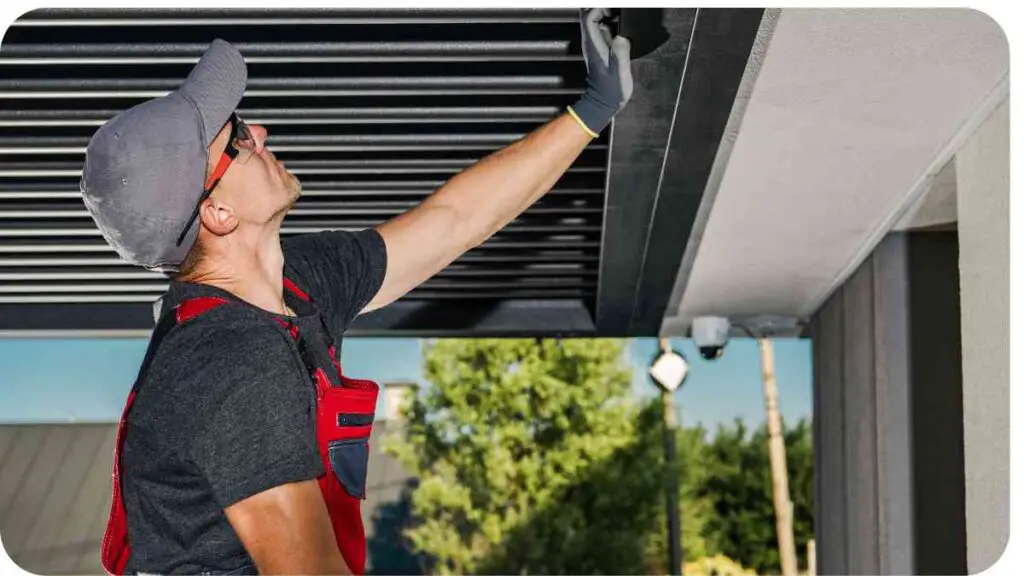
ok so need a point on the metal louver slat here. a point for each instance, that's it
(372, 109)
(298, 116)
(287, 17)
(97, 245)
(420, 294)
(566, 258)
(46, 169)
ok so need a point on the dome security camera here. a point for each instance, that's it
(710, 334)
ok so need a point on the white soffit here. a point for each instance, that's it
(851, 116)
(937, 206)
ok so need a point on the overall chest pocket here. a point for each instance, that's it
(349, 459)
(345, 422)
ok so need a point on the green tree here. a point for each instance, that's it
(695, 508)
(533, 458)
(737, 482)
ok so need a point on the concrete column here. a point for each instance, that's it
(983, 198)
(888, 414)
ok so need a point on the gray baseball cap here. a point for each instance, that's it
(145, 168)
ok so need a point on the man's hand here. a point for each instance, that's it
(609, 78)
(286, 530)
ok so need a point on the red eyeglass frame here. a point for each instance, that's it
(239, 132)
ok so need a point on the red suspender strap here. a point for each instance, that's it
(296, 290)
(115, 549)
(189, 309)
(300, 293)
(291, 328)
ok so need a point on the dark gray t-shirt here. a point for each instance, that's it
(227, 409)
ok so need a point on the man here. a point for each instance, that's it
(242, 448)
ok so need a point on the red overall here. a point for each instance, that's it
(344, 423)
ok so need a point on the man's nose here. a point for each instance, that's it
(259, 137)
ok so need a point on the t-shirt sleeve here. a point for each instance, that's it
(255, 422)
(341, 270)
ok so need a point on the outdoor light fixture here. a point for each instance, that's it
(669, 369)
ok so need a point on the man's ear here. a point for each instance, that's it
(217, 216)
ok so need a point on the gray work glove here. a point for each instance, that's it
(609, 80)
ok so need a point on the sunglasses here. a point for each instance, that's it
(240, 148)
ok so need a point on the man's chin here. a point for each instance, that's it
(294, 191)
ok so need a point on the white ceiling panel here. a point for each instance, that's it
(851, 116)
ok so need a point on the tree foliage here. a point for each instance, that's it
(533, 456)
(739, 486)
(522, 448)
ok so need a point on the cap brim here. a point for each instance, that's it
(216, 86)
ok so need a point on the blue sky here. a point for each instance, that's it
(86, 380)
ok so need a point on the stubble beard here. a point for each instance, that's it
(294, 189)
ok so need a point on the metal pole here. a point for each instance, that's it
(777, 455)
(675, 554)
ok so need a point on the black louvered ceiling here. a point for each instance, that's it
(372, 109)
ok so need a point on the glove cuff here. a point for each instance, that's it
(592, 115)
(581, 122)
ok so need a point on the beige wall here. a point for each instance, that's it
(983, 181)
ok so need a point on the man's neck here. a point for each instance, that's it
(253, 272)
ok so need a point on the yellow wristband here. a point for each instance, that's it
(581, 123)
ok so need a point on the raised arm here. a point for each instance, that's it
(484, 198)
